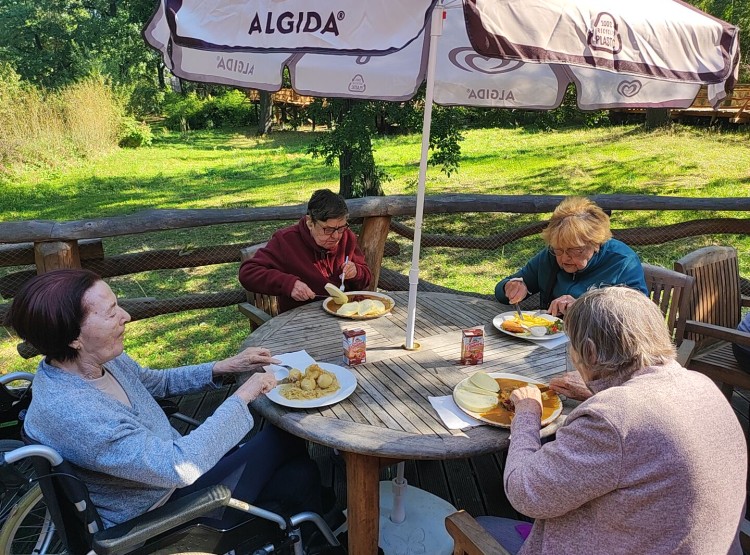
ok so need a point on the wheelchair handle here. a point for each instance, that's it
(31, 451)
(13, 376)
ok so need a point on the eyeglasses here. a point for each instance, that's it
(573, 252)
(331, 230)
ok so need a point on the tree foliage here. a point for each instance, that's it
(56, 42)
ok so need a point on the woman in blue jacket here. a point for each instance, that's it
(581, 254)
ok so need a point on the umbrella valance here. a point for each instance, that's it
(668, 40)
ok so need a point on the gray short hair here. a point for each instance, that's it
(626, 330)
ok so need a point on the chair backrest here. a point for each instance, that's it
(267, 303)
(716, 298)
(671, 291)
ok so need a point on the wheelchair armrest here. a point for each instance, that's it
(122, 537)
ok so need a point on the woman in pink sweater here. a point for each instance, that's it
(653, 462)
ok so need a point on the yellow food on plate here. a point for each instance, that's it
(348, 309)
(513, 324)
(484, 381)
(313, 384)
(368, 307)
(338, 296)
(474, 402)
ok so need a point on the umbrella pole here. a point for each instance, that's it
(436, 29)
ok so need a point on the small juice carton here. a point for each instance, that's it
(472, 346)
(355, 346)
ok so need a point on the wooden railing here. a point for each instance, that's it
(50, 245)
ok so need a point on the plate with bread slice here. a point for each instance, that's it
(486, 397)
(357, 305)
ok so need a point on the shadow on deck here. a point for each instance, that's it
(474, 484)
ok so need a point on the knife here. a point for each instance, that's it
(518, 311)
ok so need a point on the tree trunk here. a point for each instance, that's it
(656, 117)
(160, 76)
(265, 113)
(346, 183)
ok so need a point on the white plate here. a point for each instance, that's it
(479, 416)
(347, 381)
(498, 320)
(331, 306)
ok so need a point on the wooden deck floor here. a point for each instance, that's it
(472, 484)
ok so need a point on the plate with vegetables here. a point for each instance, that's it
(534, 327)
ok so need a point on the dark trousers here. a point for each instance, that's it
(742, 356)
(272, 470)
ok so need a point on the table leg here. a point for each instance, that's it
(363, 503)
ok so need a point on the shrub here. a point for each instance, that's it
(229, 109)
(134, 134)
(49, 129)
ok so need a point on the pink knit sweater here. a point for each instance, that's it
(655, 464)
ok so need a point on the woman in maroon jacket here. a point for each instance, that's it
(299, 260)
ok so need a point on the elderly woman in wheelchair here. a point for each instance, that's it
(96, 407)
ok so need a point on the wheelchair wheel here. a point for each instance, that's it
(15, 484)
(29, 530)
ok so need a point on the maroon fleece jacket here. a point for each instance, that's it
(292, 255)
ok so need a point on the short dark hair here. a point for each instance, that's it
(324, 205)
(48, 311)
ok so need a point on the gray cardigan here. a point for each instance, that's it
(655, 464)
(131, 457)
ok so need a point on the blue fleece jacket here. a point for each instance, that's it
(130, 457)
(614, 264)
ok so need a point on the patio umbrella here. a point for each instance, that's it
(492, 53)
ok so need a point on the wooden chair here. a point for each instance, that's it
(672, 292)
(714, 313)
(469, 538)
(259, 308)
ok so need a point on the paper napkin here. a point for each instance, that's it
(452, 416)
(297, 359)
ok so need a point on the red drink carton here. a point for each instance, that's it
(472, 346)
(355, 346)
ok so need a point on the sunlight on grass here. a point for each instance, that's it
(233, 169)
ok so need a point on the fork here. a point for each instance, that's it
(342, 273)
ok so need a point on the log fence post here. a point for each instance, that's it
(55, 255)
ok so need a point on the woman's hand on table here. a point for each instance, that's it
(301, 292)
(251, 359)
(561, 305)
(571, 385)
(516, 290)
(255, 386)
(527, 399)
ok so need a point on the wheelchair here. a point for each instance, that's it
(14, 401)
(46, 509)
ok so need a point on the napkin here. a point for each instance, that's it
(297, 359)
(552, 343)
(452, 416)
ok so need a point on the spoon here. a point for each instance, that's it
(342, 274)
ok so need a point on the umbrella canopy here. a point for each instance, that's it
(491, 53)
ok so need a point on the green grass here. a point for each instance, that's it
(226, 169)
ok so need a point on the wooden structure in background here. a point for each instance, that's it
(734, 109)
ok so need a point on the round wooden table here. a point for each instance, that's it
(389, 418)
